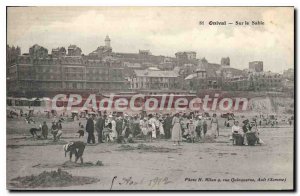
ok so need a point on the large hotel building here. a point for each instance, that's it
(40, 74)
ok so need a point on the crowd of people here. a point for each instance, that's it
(55, 130)
(247, 134)
(178, 127)
(124, 128)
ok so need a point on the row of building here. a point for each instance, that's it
(40, 73)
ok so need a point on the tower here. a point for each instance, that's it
(225, 61)
(107, 42)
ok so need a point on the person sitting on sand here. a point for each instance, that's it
(237, 132)
(75, 147)
(253, 129)
(246, 128)
(29, 120)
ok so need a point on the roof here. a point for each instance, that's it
(266, 73)
(153, 69)
(72, 47)
(191, 76)
(234, 71)
(211, 69)
(133, 65)
(182, 52)
(139, 58)
(155, 73)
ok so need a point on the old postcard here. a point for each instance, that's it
(150, 98)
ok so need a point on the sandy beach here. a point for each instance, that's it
(158, 165)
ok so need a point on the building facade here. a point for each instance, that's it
(256, 66)
(65, 74)
(186, 55)
(237, 83)
(265, 81)
(197, 80)
(58, 52)
(289, 74)
(151, 79)
(73, 50)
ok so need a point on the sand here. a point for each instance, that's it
(51, 179)
(158, 165)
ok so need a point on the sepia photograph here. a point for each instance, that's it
(150, 98)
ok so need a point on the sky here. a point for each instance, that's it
(162, 30)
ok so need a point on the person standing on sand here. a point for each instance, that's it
(204, 127)
(45, 130)
(59, 132)
(144, 127)
(99, 128)
(176, 130)
(199, 127)
(192, 130)
(152, 126)
(54, 130)
(76, 148)
(90, 130)
(167, 126)
(119, 125)
(214, 126)
(114, 133)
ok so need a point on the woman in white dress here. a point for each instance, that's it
(152, 127)
(113, 128)
(144, 126)
(176, 130)
(236, 129)
(214, 126)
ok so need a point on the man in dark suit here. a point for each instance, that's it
(90, 130)
(168, 126)
(99, 127)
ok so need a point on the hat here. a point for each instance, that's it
(246, 121)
